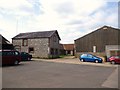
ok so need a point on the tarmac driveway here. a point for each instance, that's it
(42, 74)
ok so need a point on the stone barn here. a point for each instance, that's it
(44, 44)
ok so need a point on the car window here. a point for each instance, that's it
(0, 53)
(9, 53)
(16, 53)
(4, 53)
(90, 56)
(23, 53)
(117, 57)
(84, 55)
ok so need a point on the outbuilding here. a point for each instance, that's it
(67, 49)
(43, 44)
(104, 41)
(5, 44)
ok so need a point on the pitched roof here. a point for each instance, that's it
(67, 46)
(3, 40)
(41, 34)
(102, 28)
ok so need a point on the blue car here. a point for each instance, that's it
(90, 58)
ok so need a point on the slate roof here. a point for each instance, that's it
(41, 34)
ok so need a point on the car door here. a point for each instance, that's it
(117, 59)
(17, 56)
(7, 57)
(90, 58)
(10, 57)
(0, 57)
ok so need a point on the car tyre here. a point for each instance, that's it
(29, 59)
(96, 61)
(82, 60)
(112, 62)
(16, 62)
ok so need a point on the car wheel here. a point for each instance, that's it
(112, 62)
(96, 61)
(16, 62)
(82, 60)
(28, 59)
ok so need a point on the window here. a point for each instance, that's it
(84, 55)
(16, 53)
(25, 42)
(52, 51)
(31, 50)
(56, 51)
(117, 57)
(0, 53)
(54, 38)
(9, 53)
(90, 56)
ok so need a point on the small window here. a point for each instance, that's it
(31, 50)
(117, 57)
(85, 55)
(16, 53)
(54, 38)
(0, 53)
(52, 51)
(56, 51)
(25, 42)
(10, 53)
(90, 56)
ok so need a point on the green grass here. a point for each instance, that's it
(62, 56)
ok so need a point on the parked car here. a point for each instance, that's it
(25, 56)
(90, 58)
(10, 57)
(114, 59)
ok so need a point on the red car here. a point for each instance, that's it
(114, 59)
(10, 57)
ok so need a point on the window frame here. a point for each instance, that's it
(25, 42)
(31, 51)
(52, 51)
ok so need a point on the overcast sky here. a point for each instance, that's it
(72, 18)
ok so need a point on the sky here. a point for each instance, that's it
(71, 18)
